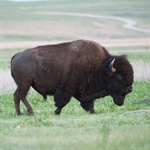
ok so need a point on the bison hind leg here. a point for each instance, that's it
(61, 98)
(20, 94)
(17, 102)
(88, 106)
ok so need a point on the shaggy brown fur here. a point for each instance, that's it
(79, 68)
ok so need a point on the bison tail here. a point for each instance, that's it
(12, 67)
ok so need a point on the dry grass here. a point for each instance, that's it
(141, 70)
(7, 82)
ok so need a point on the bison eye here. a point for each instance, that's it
(119, 76)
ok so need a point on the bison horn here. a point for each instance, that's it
(111, 66)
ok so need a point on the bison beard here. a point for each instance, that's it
(119, 100)
(82, 69)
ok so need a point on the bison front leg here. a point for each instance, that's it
(58, 110)
(88, 106)
(61, 98)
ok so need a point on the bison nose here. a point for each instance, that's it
(129, 89)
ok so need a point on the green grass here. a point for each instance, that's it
(124, 8)
(112, 128)
(5, 57)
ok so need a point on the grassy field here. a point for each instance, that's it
(20, 22)
(113, 127)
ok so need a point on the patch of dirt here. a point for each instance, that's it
(141, 111)
(106, 43)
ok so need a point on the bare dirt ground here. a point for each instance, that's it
(105, 42)
(128, 23)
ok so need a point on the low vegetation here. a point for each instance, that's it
(113, 127)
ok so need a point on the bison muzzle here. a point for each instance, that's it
(82, 69)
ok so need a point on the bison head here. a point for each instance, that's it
(119, 78)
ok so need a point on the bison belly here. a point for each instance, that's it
(47, 80)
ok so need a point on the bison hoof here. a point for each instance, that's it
(92, 112)
(18, 113)
(30, 112)
(58, 111)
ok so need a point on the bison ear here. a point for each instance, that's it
(111, 66)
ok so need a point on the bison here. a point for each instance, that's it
(82, 69)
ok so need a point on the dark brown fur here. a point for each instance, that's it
(79, 68)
